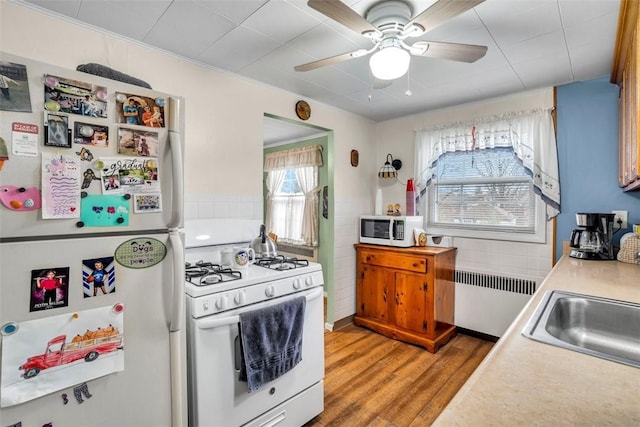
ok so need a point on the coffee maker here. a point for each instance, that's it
(594, 241)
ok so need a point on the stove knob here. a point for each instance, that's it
(308, 280)
(221, 303)
(296, 284)
(270, 291)
(205, 306)
(240, 298)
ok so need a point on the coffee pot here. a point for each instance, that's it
(594, 241)
(586, 240)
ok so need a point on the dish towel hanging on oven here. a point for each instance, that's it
(271, 341)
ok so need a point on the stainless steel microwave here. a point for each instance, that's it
(389, 230)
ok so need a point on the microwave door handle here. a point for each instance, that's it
(391, 231)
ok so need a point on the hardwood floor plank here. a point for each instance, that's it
(374, 381)
(345, 406)
(431, 411)
(424, 386)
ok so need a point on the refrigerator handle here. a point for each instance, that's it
(176, 321)
(175, 145)
(176, 333)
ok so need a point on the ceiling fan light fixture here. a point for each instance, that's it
(389, 63)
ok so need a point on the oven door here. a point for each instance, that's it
(217, 397)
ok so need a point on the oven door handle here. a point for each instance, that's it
(216, 323)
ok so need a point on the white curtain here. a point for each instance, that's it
(294, 219)
(530, 133)
(308, 180)
(273, 182)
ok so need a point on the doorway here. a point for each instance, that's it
(283, 133)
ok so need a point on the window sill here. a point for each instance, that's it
(538, 237)
(305, 251)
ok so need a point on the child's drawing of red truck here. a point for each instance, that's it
(59, 352)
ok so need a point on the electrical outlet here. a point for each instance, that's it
(620, 216)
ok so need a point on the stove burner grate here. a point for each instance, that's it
(206, 273)
(281, 263)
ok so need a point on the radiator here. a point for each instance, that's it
(489, 303)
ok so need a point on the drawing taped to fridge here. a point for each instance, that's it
(45, 355)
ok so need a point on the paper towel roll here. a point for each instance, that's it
(378, 208)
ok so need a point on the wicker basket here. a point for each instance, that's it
(629, 248)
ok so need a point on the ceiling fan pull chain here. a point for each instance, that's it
(408, 91)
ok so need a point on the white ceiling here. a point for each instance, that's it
(531, 44)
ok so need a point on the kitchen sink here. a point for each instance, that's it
(601, 327)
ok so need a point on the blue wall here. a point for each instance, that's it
(587, 139)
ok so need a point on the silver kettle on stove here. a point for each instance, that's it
(263, 245)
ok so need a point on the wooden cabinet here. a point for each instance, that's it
(406, 293)
(625, 74)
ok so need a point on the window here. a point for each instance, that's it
(483, 179)
(292, 194)
(288, 210)
(486, 190)
(290, 186)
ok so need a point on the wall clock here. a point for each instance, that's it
(303, 110)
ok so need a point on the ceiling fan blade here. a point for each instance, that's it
(441, 11)
(342, 14)
(330, 61)
(451, 51)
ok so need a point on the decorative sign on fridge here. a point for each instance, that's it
(141, 252)
(45, 355)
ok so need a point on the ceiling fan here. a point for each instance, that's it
(388, 24)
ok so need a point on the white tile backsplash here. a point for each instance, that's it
(200, 206)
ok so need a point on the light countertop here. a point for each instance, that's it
(524, 382)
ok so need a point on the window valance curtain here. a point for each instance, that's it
(295, 158)
(530, 133)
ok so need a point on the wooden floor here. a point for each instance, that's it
(374, 381)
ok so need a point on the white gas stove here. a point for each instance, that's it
(216, 297)
(214, 289)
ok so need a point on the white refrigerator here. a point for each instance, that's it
(91, 250)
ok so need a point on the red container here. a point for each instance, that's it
(411, 198)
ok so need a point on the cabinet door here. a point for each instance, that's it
(412, 302)
(376, 286)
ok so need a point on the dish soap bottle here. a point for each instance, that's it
(411, 198)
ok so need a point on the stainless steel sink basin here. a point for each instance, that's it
(600, 327)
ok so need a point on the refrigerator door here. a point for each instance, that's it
(27, 169)
(139, 395)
